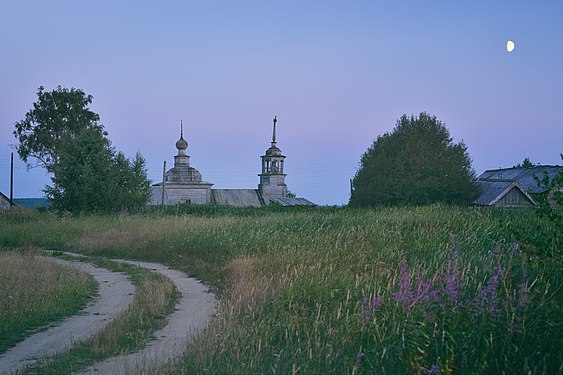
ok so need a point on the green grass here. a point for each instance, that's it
(35, 292)
(292, 284)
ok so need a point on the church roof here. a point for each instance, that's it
(292, 202)
(237, 197)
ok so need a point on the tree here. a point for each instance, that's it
(94, 178)
(86, 176)
(140, 188)
(526, 163)
(415, 164)
(57, 118)
(64, 136)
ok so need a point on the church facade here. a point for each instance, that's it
(184, 184)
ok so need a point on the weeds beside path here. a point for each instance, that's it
(35, 292)
(115, 295)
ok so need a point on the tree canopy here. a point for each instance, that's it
(88, 174)
(417, 163)
(57, 118)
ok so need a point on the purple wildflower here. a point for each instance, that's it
(404, 296)
(434, 369)
(487, 299)
(370, 306)
(523, 298)
(376, 303)
(453, 277)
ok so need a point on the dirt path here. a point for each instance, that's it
(115, 293)
(194, 309)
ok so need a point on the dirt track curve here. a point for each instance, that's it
(194, 309)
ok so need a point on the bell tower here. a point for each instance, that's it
(272, 179)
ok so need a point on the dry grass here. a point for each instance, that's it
(34, 292)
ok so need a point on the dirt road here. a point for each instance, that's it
(115, 293)
(193, 312)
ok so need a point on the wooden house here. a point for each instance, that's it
(514, 187)
(5, 202)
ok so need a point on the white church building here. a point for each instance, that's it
(184, 184)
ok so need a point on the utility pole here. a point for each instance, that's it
(163, 182)
(12, 179)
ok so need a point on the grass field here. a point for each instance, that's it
(391, 290)
(34, 292)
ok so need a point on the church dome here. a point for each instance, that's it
(182, 144)
(273, 151)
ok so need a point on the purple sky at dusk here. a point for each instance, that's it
(336, 73)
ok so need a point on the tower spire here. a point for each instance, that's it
(274, 133)
(181, 129)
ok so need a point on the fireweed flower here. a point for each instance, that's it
(369, 306)
(523, 298)
(487, 300)
(404, 296)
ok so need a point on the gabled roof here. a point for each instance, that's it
(523, 175)
(291, 202)
(493, 190)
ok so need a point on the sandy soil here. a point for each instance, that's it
(115, 293)
(194, 309)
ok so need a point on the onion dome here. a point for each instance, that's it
(181, 144)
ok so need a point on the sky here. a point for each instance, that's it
(336, 73)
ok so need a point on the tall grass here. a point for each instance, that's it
(391, 290)
(34, 292)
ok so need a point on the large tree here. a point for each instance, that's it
(94, 178)
(417, 163)
(57, 118)
(64, 136)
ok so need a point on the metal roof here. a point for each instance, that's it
(523, 175)
(291, 202)
(236, 197)
(493, 191)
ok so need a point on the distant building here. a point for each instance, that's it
(184, 184)
(5, 202)
(514, 187)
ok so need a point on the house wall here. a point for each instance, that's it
(4, 203)
(513, 198)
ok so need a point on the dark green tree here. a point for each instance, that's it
(57, 118)
(64, 136)
(140, 187)
(526, 163)
(415, 164)
(86, 176)
(94, 178)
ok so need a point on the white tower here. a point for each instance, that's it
(272, 179)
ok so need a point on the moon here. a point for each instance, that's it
(510, 46)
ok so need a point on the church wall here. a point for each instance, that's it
(176, 194)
